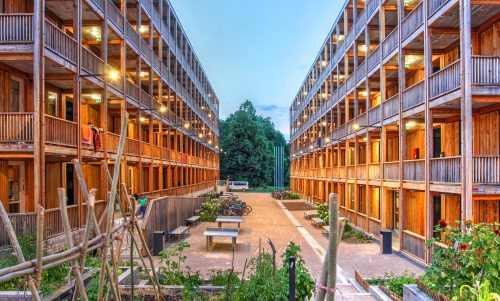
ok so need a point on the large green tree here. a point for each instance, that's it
(247, 141)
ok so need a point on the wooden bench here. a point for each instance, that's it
(316, 221)
(179, 231)
(192, 220)
(310, 214)
(326, 230)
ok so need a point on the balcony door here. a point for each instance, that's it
(16, 186)
(16, 95)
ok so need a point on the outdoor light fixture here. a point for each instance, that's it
(143, 74)
(327, 140)
(311, 147)
(301, 152)
(113, 74)
(210, 142)
(324, 123)
(163, 109)
(410, 124)
(355, 126)
(186, 125)
(96, 97)
(340, 37)
(143, 28)
(142, 119)
(323, 95)
(304, 93)
(323, 63)
(365, 139)
(200, 135)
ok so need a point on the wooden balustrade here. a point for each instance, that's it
(486, 169)
(414, 244)
(53, 221)
(361, 119)
(351, 171)
(413, 96)
(132, 35)
(156, 62)
(391, 106)
(361, 171)
(349, 37)
(16, 127)
(373, 171)
(146, 149)
(414, 170)
(445, 80)
(373, 59)
(412, 21)
(115, 16)
(23, 223)
(60, 42)
(342, 172)
(351, 79)
(145, 98)
(341, 90)
(112, 141)
(145, 50)
(59, 131)
(360, 71)
(361, 221)
(434, 5)
(445, 169)
(351, 215)
(371, 6)
(133, 146)
(360, 21)
(391, 170)
(131, 90)
(156, 151)
(390, 42)
(374, 226)
(486, 70)
(16, 28)
(91, 62)
(374, 115)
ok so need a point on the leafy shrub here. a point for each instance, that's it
(394, 283)
(285, 195)
(208, 210)
(303, 280)
(323, 213)
(223, 277)
(472, 256)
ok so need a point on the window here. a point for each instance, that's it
(15, 92)
(52, 103)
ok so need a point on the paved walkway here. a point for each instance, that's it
(270, 219)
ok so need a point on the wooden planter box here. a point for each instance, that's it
(432, 294)
(170, 292)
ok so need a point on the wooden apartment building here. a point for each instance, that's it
(400, 116)
(69, 70)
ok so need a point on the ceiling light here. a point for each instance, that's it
(163, 109)
(210, 142)
(143, 74)
(323, 63)
(113, 74)
(186, 125)
(327, 140)
(200, 135)
(355, 126)
(324, 123)
(142, 119)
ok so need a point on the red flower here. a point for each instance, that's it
(463, 246)
(442, 224)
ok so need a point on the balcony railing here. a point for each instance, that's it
(16, 28)
(391, 170)
(390, 42)
(360, 71)
(60, 42)
(132, 35)
(391, 106)
(373, 59)
(112, 141)
(61, 132)
(131, 90)
(91, 62)
(445, 80)
(351, 79)
(361, 171)
(414, 170)
(434, 5)
(413, 20)
(413, 96)
(414, 244)
(486, 70)
(16, 127)
(133, 146)
(373, 171)
(486, 169)
(115, 16)
(374, 115)
(445, 169)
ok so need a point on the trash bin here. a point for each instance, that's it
(386, 242)
(158, 242)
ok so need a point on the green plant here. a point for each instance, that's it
(479, 292)
(304, 282)
(323, 213)
(469, 252)
(394, 283)
(223, 277)
(208, 210)
(292, 195)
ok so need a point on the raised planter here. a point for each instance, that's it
(411, 292)
(428, 291)
(127, 277)
(170, 292)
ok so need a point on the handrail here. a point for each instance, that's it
(16, 28)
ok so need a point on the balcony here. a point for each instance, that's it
(414, 170)
(486, 169)
(412, 21)
(16, 127)
(391, 170)
(133, 147)
(373, 59)
(391, 106)
(59, 42)
(445, 170)
(445, 80)
(390, 43)
(413, 96)
(374, 115)
(374, 171)
(60, 132)
(16, 28)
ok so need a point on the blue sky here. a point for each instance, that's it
(259, 50)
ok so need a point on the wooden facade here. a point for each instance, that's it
(69, 70)
(400, 115)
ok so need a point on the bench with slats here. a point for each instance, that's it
(310, 214)
(179, 231)
(193, 219)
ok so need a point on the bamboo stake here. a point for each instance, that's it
(80, 286)
(17, 250)
(320, 296)
(95, 223)
(110, 197)
(144, 244)
(39, 244)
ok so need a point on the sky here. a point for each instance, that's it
(259, 50)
